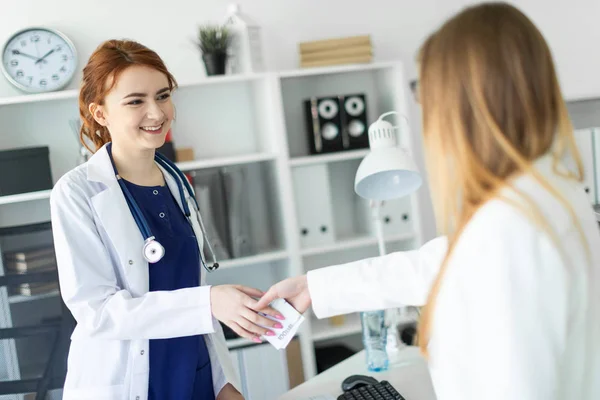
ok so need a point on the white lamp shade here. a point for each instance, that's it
(387, 173)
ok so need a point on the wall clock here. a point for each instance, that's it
(37, 60)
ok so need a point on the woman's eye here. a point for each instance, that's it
(164, 96)
(135, 102)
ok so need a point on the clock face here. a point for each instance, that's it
(39, 60)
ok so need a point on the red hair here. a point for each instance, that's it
(108, 61)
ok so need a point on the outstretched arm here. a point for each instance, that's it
(397, 279)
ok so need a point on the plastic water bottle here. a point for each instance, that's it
(374, 332)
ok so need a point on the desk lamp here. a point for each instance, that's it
(387, 172)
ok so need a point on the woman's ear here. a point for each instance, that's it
(98, 113)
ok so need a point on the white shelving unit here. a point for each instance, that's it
(254, 121)
(254, 260)
(22, 298)
(353, 243)
(324, 330)
(224, 162)
(327, 158)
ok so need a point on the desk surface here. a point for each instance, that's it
(408, 374)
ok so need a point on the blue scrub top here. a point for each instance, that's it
(180, 367)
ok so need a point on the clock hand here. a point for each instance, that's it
(19, 53)
(44, 56)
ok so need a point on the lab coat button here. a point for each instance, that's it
(137, 397)
(130, 262)
(142, 352)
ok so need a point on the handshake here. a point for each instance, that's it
(274, 316)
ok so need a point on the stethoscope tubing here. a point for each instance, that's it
(150, 241)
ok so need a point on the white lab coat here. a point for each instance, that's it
(514, 319)
(104, 282)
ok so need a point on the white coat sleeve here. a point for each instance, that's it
(514, 287)
(90, 288)
(394, 280)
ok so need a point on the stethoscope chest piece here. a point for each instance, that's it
(153, 251)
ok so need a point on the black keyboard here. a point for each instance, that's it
(379, 391)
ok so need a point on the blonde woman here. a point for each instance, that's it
(512, 289)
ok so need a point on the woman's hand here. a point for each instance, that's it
(294, 290)
(229, 393)
(234, 305)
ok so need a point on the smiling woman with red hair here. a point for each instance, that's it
(147, 323)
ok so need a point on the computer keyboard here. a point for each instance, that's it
(379, 391)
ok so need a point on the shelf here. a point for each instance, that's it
(222, 79)
(225, 161)
(331, 157)
(253, 260)
(243, 342)
(219, 79)
(74, 93)
(184, 166)
(23, 197)
(37, 97)
(336, 69)
(323, 330)
(21, 298)
(25, 229)
(353, 243)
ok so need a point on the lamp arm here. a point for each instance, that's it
(376, 214)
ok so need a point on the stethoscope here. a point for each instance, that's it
(152, 250)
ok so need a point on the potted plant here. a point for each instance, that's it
(214, 41)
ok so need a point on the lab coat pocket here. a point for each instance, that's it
(95, 393)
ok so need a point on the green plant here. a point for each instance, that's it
(213, 39)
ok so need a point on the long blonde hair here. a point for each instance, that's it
(491, 105)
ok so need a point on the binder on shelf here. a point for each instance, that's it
(34, 289)
(240, 232)
(208, 185)
(24, 267)
(396, 217)
(313, 205)
(31, 254)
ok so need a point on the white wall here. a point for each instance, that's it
(397, 28)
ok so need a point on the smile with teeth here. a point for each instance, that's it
(151, 128)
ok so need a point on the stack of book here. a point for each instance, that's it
(39, 259)
(351, 50)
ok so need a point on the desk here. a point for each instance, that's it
(408, 374)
